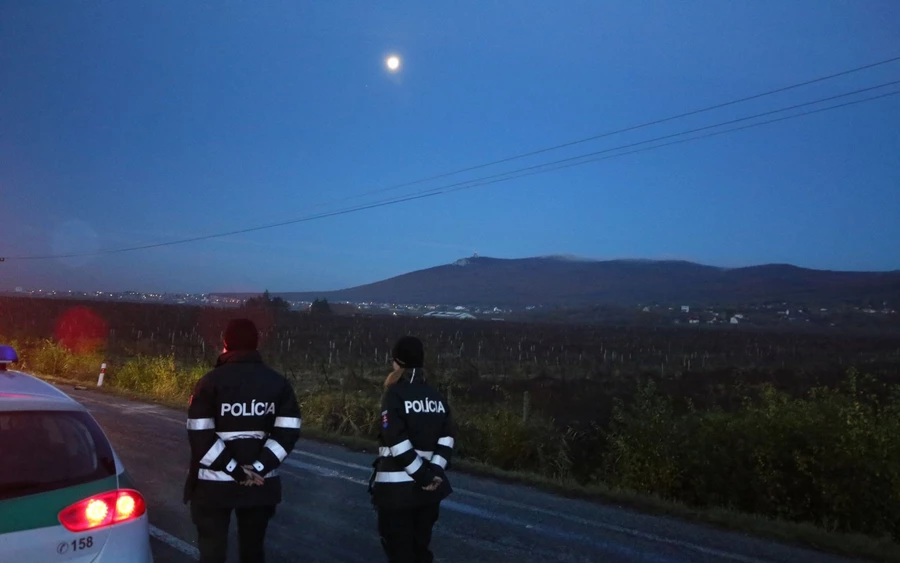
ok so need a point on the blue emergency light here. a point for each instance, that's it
(8, 354)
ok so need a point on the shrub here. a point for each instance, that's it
(52, 358)
(831, 458)
(156, 375)
(498, 436)
(355, 414)
(645, 442)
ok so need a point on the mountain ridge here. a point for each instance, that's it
(568, 281)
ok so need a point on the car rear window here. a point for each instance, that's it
(43, 451)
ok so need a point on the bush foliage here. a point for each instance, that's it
(831, 458)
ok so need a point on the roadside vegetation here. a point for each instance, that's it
(763, 436)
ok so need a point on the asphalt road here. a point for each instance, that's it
(326, 516)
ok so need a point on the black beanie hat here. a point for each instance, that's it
(241, 334)
(409, 352)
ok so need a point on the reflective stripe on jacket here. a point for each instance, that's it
(417, 438)
(241, 413)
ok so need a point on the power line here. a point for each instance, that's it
(680, 141)
(607, 134)
(527, 171)
(506, 176)
(507, 159)
(618, 131)
(682, 133)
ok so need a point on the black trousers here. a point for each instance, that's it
(212, 531)
(406, 534)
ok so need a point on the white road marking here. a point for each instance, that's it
(326, 472)
(597, 543)
(562, 515)
(172, 541)
(335, 461)
(618, 529)
(140, 407)
(476, 511)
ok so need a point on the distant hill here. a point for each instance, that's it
(573, 282)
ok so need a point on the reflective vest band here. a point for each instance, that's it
(210, 475)
(386, 452)
(392, 477)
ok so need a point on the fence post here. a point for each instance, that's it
(102, 374)
(526, 406)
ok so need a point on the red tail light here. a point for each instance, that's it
(102, 510)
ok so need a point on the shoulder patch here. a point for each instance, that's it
(384, 419)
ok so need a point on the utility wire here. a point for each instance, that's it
(511, 158)
(594, 157)
(506, 176)
(606, 134)
(678, 142)
(616, 132)
(682, 133)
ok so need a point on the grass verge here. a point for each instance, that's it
(798, 534)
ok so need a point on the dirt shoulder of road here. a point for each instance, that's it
(801, 535)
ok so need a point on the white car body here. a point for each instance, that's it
(31, 528)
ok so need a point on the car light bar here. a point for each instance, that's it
(8, 354)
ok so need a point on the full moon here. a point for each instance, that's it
(393, 63)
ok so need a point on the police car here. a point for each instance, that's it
(64, 495)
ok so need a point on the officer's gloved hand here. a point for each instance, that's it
(252, 477)
(424, 476)
(239, 474)
(427, 478)
(435, 483)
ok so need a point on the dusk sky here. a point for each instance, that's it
(127, 123)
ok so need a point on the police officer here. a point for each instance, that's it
(243, 420)
(417, 438)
